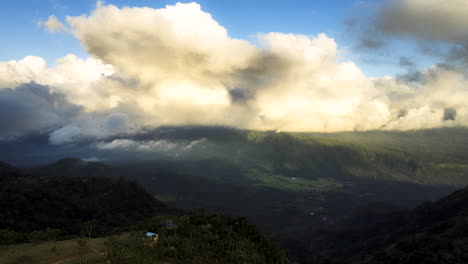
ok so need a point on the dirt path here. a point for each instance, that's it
(63, 259)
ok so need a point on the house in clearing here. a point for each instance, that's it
(151, 239)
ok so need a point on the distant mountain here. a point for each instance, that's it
(72, 167)
(6, 171)
(427, 157)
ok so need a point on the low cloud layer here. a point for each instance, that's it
(178, 66)
(161, 145)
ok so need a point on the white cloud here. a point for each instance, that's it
(66, 134)
(75, 77)
(187, 65)
(53, 25)
(149, 145)
(117, 144)
(93, 125)
(178, 66)
(14, 73)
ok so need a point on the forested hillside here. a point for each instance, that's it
(34, 203)
(433, 233)
(68, 211)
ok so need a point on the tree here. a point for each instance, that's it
(8, 237)
(88, 227)
(51, 235)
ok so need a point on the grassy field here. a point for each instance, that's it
(67, 252)
(293, 183)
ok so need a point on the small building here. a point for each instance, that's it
(151, 239)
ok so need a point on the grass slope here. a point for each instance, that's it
(67, 252)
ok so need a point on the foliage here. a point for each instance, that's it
(48, 234)
(8, 237)
(46, 206)
(200, 239)
(301, 188)
(432, 233)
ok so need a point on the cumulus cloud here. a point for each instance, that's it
(437, 98)
(178, 66)
(194, 73)
(53, 25)
(72, 76)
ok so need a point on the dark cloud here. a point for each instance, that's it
(411, 77)
(458, 54)
(428, 75)
(127, 82)
(32, 108)
(406, 62)
(437, 27)
(371, 43)
(436, 20)
(239, 95)
(364, 36)
(450, 114)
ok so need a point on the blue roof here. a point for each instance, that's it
(149, 234)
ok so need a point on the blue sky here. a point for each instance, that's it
(242, 18)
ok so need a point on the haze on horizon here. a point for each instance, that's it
(176, 65)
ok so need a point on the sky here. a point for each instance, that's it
(87, 70)
(243, 19)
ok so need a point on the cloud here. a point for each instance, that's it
(435, 98)
(194, 73)
(363, 35)
(178, 66)
(53, 25)
(72, 76)
(145, 37)
(66, 134)
(14, 73)
(406, 62)
(149, 145)
(436, 26)
(32, 108)
(93, 126)
(426, 19)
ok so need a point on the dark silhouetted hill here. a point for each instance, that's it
(432, 233)
(72, 167)
(35, 202)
